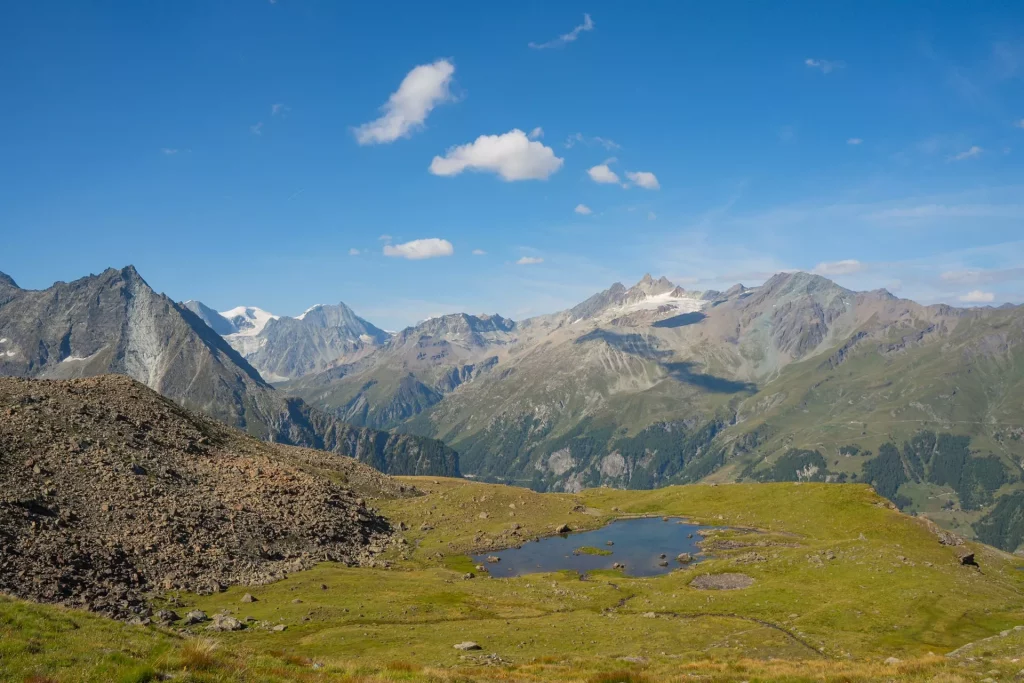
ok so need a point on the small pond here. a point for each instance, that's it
(636, 543)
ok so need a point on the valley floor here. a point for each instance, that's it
(843, 586)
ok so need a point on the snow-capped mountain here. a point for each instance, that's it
(283, 347)
(248, 321)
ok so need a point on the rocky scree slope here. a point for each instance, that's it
(109, 492)
(115, 323)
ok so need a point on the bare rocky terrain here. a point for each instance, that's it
(109, 492)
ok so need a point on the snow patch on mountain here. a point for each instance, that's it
(249, 320)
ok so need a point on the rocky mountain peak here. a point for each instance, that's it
(8, 281)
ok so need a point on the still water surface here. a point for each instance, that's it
(637, 543)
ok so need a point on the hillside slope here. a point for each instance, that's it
(109, 492)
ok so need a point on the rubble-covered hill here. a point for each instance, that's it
(109, 491)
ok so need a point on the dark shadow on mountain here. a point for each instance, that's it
(635, 344)
(681, 371)
(681, 320)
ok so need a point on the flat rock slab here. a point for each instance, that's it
(721, 582)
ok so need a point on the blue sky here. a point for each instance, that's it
(240, 153)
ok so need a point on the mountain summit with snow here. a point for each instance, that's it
(248, 321)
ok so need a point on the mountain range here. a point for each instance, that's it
(115, 323)
(635, 387)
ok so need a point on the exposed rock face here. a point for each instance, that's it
(109, 491)
(413, 371)
(115, 323)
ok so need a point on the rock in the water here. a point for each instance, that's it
(493, 559)
(684, 558)
(467, 645)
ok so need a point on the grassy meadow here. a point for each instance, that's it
(843, 586)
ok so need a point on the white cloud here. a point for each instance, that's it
(420, 249)
(169, 151)
(845, 267)
(256, 128)
(279, 109)
(587, 25)
(854, 141)
(596, 140)
(353, 252)
(537, 133)
(583, 210)
(422, 89)
(644, 179)
(824, 65)
(976, 296)
(479, 252)
(651, 216)
(948, 211)
(602, 174)
(529, 261)
(974, 151)
(512, 155)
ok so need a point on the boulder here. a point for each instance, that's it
(967, 559)
(165, 616)
(562, 529)
(196, 616)
(467, 645)
(684, 558)
(249, 597)
(223, 622)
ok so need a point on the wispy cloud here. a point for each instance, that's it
(825, 66)
(644, 179)
(976, 296)
(1019, 123)
(832, 268)
(169, 151)
(256, 128)
(580, 138)
(353, 252)
(651, 216)
(479, 252)
(854, 141)
(537, 133)
(529, 260)
(279, 109)
(422, 89)
(565, 38)
(583, 210)
(603, 174)
(971, 153)
(512, 155)
(420, 249)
